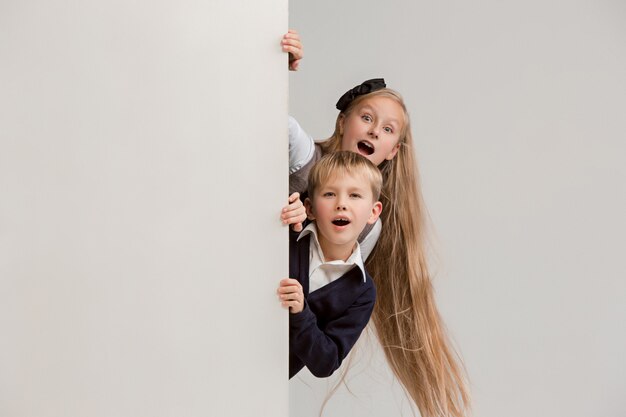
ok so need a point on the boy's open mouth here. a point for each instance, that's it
(341, 222)
(365, 148)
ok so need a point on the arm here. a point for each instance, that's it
(301, 146)
(323, 349)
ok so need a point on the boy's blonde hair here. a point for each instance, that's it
(405, 316)
(344, 162)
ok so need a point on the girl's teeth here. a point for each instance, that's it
(365, 147)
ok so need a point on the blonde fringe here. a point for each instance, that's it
(405, 317)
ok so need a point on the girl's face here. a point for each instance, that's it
(373, 128)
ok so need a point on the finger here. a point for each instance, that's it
(288, 212)
(297, 227)
(293, 56)
(292, 36)
(293, 49)
(291, 42)
(289, 289)
(290, 281)
(285, 289)
(294, 304)
(293, 215)
(294, 220)
(293, 204)
(284, 284)
(294, 197)
(290, 297)
(293, 210)
(291, 302)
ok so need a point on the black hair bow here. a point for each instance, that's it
(364, 88)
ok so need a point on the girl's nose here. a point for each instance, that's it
(373, 132)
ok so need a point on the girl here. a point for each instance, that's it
(374, 122)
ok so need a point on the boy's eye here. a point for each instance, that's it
(355, 195)
(328, 194)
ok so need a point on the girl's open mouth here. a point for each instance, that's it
(365, 148)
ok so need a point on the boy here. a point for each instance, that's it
(330, 296)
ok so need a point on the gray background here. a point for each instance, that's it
(140, 188)
(518, 115)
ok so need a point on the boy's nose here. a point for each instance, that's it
(341, 207)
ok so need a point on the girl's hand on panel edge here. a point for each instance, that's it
(294, 213)
(292, 44)
(290, 295)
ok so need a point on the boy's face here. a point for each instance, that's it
(342, 207)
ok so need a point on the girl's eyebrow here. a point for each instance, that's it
(372, 110)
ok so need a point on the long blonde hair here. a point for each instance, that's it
(406, 319)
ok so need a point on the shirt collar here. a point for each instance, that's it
(317, 257)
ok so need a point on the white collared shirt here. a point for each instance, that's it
(322, 273)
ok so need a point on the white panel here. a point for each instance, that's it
(142, 169)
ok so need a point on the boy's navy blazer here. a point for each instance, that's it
(322, 334)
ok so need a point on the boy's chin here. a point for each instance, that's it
(339, 237)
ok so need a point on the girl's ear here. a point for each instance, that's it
(308, 206)
(393, 152)
(342, 118)
(376, 210)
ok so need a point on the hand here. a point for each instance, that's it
(291, 43)
(294, 213)
(291, 295)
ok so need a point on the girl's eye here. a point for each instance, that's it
(367, 117)
(388, 129)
